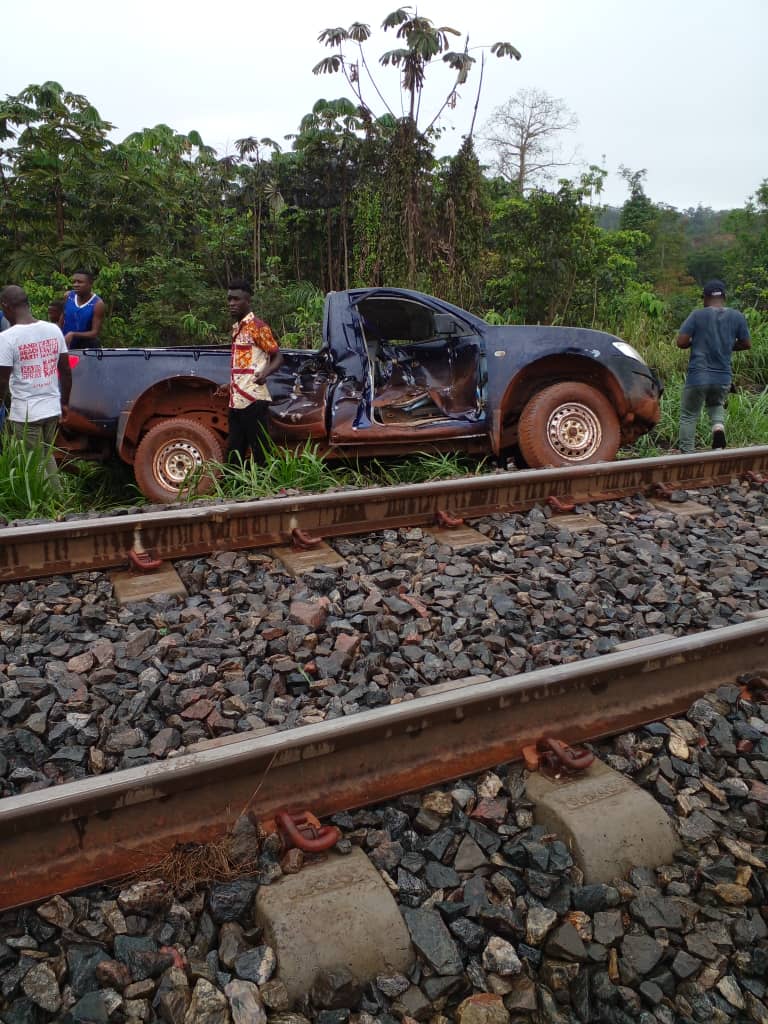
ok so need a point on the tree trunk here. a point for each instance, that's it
(344, 240)
(258, 246)
(410, 244)
(332, 286)
(255, 246)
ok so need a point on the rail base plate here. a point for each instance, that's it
(681, 509)
(578, 522)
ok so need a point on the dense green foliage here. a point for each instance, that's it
(359, 199)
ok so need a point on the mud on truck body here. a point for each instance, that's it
(398, 372)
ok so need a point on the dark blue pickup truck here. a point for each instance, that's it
(397, 372)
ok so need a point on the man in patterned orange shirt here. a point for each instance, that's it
(255, 356)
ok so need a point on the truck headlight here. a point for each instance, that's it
(627, 350)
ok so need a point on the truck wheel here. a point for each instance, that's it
(169, 451)
(568, 425)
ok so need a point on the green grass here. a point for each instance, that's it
(301, 470)
(420, 468)
(27, 493)
(305, 470)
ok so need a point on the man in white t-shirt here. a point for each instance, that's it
(35, 365)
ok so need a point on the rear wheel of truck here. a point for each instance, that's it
(568, 425)
(170, 452)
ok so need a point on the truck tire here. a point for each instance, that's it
(568, 425)
(169, 451)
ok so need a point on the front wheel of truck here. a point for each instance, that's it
(170, 453)
(568, 424)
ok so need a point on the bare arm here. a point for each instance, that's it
(683, 341)
(65, 380)
(98, 319)
(742, 345)
(275, 362)
(5, 376)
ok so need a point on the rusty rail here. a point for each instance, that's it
(48, 548)
(89, 831)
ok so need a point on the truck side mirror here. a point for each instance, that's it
(446, 324)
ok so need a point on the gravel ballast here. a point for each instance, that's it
(88, 687)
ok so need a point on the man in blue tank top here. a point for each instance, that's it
(83, 313)
(712, 334)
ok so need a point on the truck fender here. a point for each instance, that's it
(573, 367)
(184, 396)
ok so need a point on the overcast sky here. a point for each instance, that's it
(679, 87)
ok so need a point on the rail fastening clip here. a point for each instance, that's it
(303, 541)
(139, 557)
(557, 758)
(302, 830)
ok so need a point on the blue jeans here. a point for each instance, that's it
(713, 397)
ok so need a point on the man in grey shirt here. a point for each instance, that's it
(712, 334)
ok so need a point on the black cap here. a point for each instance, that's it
(714, 288)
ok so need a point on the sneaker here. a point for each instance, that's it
(718, 437)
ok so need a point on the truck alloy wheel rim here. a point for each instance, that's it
(174, 461)
(574, 431)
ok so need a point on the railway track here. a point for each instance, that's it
(45, 549)
(78, 834)
(90, 831)
(109, 825)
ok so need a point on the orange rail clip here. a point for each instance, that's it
(561, 507)
(556, 757)
(140, 558)
(754, 688)
(302, 830)
(304, 541)
(447, 521)
(754, 478)
(661, 490)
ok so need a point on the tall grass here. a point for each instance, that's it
(302, 470)
(305, 470)
(26, 492)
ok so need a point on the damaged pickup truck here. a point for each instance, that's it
(398, 372)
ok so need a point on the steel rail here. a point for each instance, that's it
(45, 549)
(90, 831)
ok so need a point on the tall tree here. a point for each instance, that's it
(53, 140)
(421, 44)
(463, 224)
(329, 142)
(525, 135)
